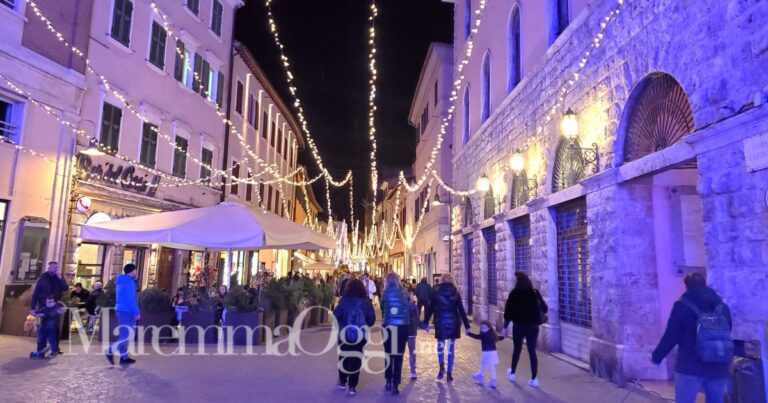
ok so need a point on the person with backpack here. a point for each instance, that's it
(423, 296)
(526, 309)
(396, 313)
(700, 326)
(354, 316)
(49, 284)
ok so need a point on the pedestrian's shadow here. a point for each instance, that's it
(21, 365)
(142, 380)
(535, 395)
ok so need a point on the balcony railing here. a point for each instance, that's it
(7, 130)
(7, 3)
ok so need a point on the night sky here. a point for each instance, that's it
(326, 43)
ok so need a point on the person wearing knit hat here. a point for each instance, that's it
(127, 312)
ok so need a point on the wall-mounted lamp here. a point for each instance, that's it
(92, 149)
(517, 165)
(569, 127)
(483, 184)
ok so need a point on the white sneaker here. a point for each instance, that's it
(510, 375)
(534, 383)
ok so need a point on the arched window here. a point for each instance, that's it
(559, 18)
(489, 204)
(513, 50)
(569, 165)
(465, 131)
(468, 217)
(658, 116)
(485, 88)
(467, 18)
(520, 191)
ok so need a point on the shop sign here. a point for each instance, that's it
(756, 152)
(121, 176)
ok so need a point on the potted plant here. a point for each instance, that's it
(156, 314)
(326, 301)
(108, 319)
(311, 299)
(277, 304)
(241, 317)
(294, 291)
(199, 319)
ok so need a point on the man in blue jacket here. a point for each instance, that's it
(692, 373)
(127, 312)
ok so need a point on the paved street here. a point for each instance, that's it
(88, 378)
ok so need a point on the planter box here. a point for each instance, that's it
(14, 316)
(193, 322)
(155, 323)
(241, 328)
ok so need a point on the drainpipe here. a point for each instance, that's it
(225, 163)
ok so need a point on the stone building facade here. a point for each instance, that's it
(666, 173)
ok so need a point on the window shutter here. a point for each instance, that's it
(199, 73)
(179, 69)
(220, 89)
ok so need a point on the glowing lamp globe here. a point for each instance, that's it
(483, 184)
(516, 163)
(570, 125)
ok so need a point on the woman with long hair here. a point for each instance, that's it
(396, 321)
(448, 310)
(526, 310)
(354, 315)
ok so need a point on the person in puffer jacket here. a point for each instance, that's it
(692, 374)
(448, 310)
(396, 314)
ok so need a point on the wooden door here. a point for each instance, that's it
(165, 269)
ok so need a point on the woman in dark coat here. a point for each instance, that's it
(525, 308)
(355, 316)
(396, 320)
(448, 310)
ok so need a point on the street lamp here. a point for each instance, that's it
(448, 238)
(569, 127)
(483, 184)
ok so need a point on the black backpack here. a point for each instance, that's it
(713, 334)
(353, 324)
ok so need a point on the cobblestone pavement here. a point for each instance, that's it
(160, 376)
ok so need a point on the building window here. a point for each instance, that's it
(280, 142)
(90, 263)
(3, 218)
(194, 6)
(33, 236)
(513, 44)
(424, 119)
(253, 112)
(157, 46)
(181, 59)
(8, 130)
(235, 176)
(111, 117)
(9, 4)
(264, 124)
(521, 232)
(273, 135)
(249, 186)
(489, 204)
(467, 18)
(239, 98)
(121, 21)
(148, 155)
(219, 98)
(435, 104)
(269, 198)
(562, 16)
(485, 89)
(573, 272)
(216, 17)
(465, 131)
(205, 167)
(180, 157)
(490, 257)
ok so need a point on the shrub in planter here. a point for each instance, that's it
(156, 313)
(241, 318)
(108, 320)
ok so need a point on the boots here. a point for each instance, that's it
(440, 374)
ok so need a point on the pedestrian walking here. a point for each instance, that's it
(526, 310)
(355, 316)
(48, 330)
(423, 296)
(396, 319)
(370, 286)
(127, 312)
(91, 305)
(413, 310)
(490, 357)
(449, 314)
(49, 284)
(700, 326)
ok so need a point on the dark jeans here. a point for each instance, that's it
(48, 334)
(127, 321)
(688, 386)
(441, 350)
(350, 363)
(529, 332)
(394, 346)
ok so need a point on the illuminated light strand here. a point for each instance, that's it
(297, 101)
(27, 150)
(352, 201)
(372, 100)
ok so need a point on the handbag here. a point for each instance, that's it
(541, 306)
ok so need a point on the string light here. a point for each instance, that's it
(372, 100)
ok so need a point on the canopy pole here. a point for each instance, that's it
(227, 269)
